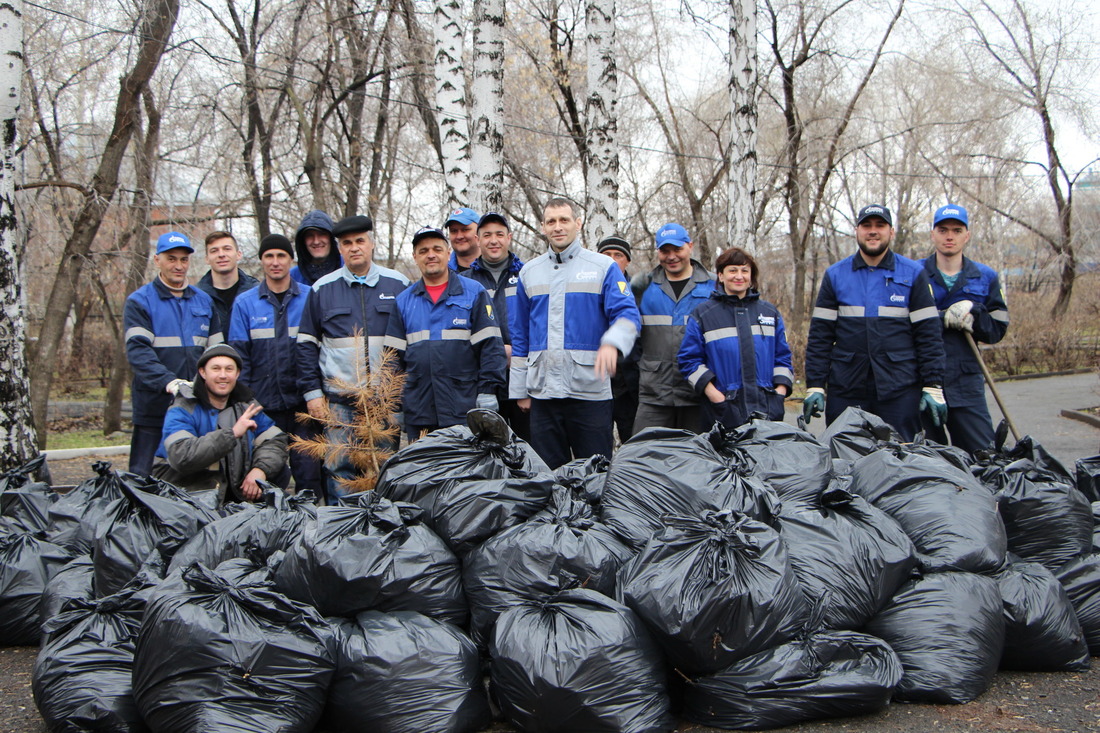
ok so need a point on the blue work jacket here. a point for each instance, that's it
(264, 331)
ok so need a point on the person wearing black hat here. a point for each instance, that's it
(497, 270)
(216, 437)
(447, 340)
(225, 280)
(263, 328)
(625, 380)
(168, 324)
(875, 338)
(347, 313)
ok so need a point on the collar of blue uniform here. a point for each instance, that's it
(265, 291)
(858, 263)
(165, 292)
(454, 285)
(370, 279)
(568, 253)
(969, 269)
(721, 294)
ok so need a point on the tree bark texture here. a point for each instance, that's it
(601, 122)
(18, 442)
(743, 124)
(450, 100)
(487, 107)
(158, 19)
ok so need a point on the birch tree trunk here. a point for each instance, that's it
(18, 443)
(743, 124)
(487, 107)
(602, 175)
(450, 100)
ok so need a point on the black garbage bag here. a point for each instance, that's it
(948, 630)
(787, 458)
(713, 589)
(661, 471)
(1046, 518)
(374, 555)
(140, 525)
(270, 525)
(856, 433)
(1096, 526)
(829, 674)
(578, 661)
(585, 477)
(75, 517)
(224, 657)
(27, 562)
(82, 677)
(1042, 632)
(1081, 579)
(558, 548)
(472, 482)
(403, 672)
(1088, 477)
(73, 580)
(24, 500)
(950, 516)
(487, 451)
(848, 556)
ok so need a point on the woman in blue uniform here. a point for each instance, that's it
(735, 351)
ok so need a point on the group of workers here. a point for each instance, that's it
(563, 346)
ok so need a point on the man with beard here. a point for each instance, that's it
(875, 338)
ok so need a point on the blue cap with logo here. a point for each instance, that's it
(672, 233)
(429, 233)
(463, 216)
(873, 210)
(951, 211)
(173, 240)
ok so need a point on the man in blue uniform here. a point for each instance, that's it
(624, 382)
(168, 325)
(360, 297)
(574, 315)
(497, 270)
(461, 226)
(875, 338)
(970, 300)
(447, 341)
(263, 328)
(668, 295)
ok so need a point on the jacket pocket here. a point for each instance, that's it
(582, 376)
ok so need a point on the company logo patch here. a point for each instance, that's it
(259, 320)
(458, 322)
(766, 320)
(383, 296)
(181, 240)
(622, 287)
(489, 309)
(587, 275)
(897, 298)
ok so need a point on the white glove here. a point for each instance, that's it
(487, 402)
(959, 317)
(173, 387)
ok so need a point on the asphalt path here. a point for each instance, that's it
(1026, 702)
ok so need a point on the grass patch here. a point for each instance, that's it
(85, 439)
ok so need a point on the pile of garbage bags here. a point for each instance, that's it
(742, 579)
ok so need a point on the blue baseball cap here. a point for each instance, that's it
(672, 233)
(951, 211)
(429, 233)
(463, 216)
(173, 240)
(873, 210)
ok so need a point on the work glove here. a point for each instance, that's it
(173, 387)
(487, 402)
(959, 317)
(813, 404)
(932, 401)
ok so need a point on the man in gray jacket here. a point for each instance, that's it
(217, 437)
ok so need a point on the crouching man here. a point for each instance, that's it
(217, 437)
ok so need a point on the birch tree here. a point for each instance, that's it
(601, 122)
(18, 443)
(743, 123)
(487, 107)
(450, 100)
